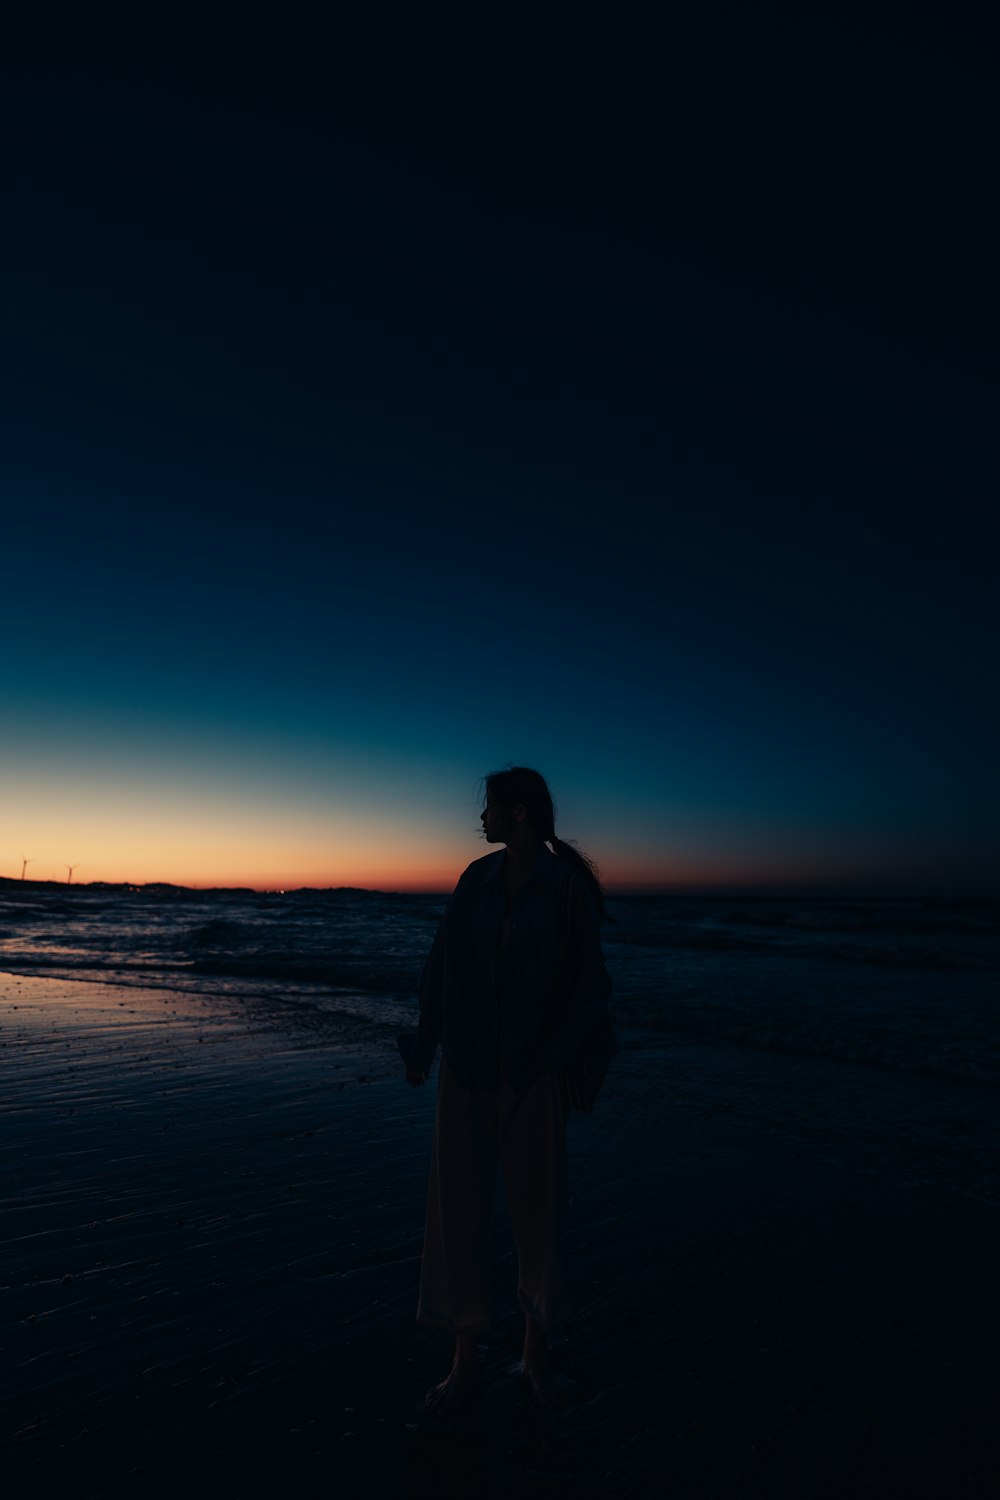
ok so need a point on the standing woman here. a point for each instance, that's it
(514, 983)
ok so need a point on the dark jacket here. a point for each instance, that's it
(490, 988)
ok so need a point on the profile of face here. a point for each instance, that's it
(498, 821)
(494, 820)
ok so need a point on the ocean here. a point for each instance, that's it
(827, 1016)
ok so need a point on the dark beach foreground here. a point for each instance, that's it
(210, 1249)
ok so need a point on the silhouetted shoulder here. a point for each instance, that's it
(481, 869)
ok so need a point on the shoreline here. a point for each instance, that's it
(210, 1254)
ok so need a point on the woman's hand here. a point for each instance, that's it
(415, 1076)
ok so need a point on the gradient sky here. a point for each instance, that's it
(377, 411)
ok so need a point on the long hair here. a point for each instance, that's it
(516, 784)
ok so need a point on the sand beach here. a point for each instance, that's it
(210, 1246)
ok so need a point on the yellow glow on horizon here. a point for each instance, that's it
(185, 839)
(261, 864)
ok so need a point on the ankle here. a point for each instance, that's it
(466, 1352)
(534, 1337)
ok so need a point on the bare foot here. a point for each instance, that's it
(451, 1395)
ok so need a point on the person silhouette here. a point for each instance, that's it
(517, 919)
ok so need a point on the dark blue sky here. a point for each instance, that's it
(377, 410)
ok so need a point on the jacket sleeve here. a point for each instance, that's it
(431, 998)
(432, 985)
(590, 987)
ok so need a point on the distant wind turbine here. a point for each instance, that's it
(71, 868)
(25, 863)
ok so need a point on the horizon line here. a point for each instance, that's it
(816, 888)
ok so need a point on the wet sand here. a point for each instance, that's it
(209, 1254)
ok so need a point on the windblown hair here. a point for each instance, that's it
(516, 784)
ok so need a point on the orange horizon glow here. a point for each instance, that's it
(127, 833)
(413, 874)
